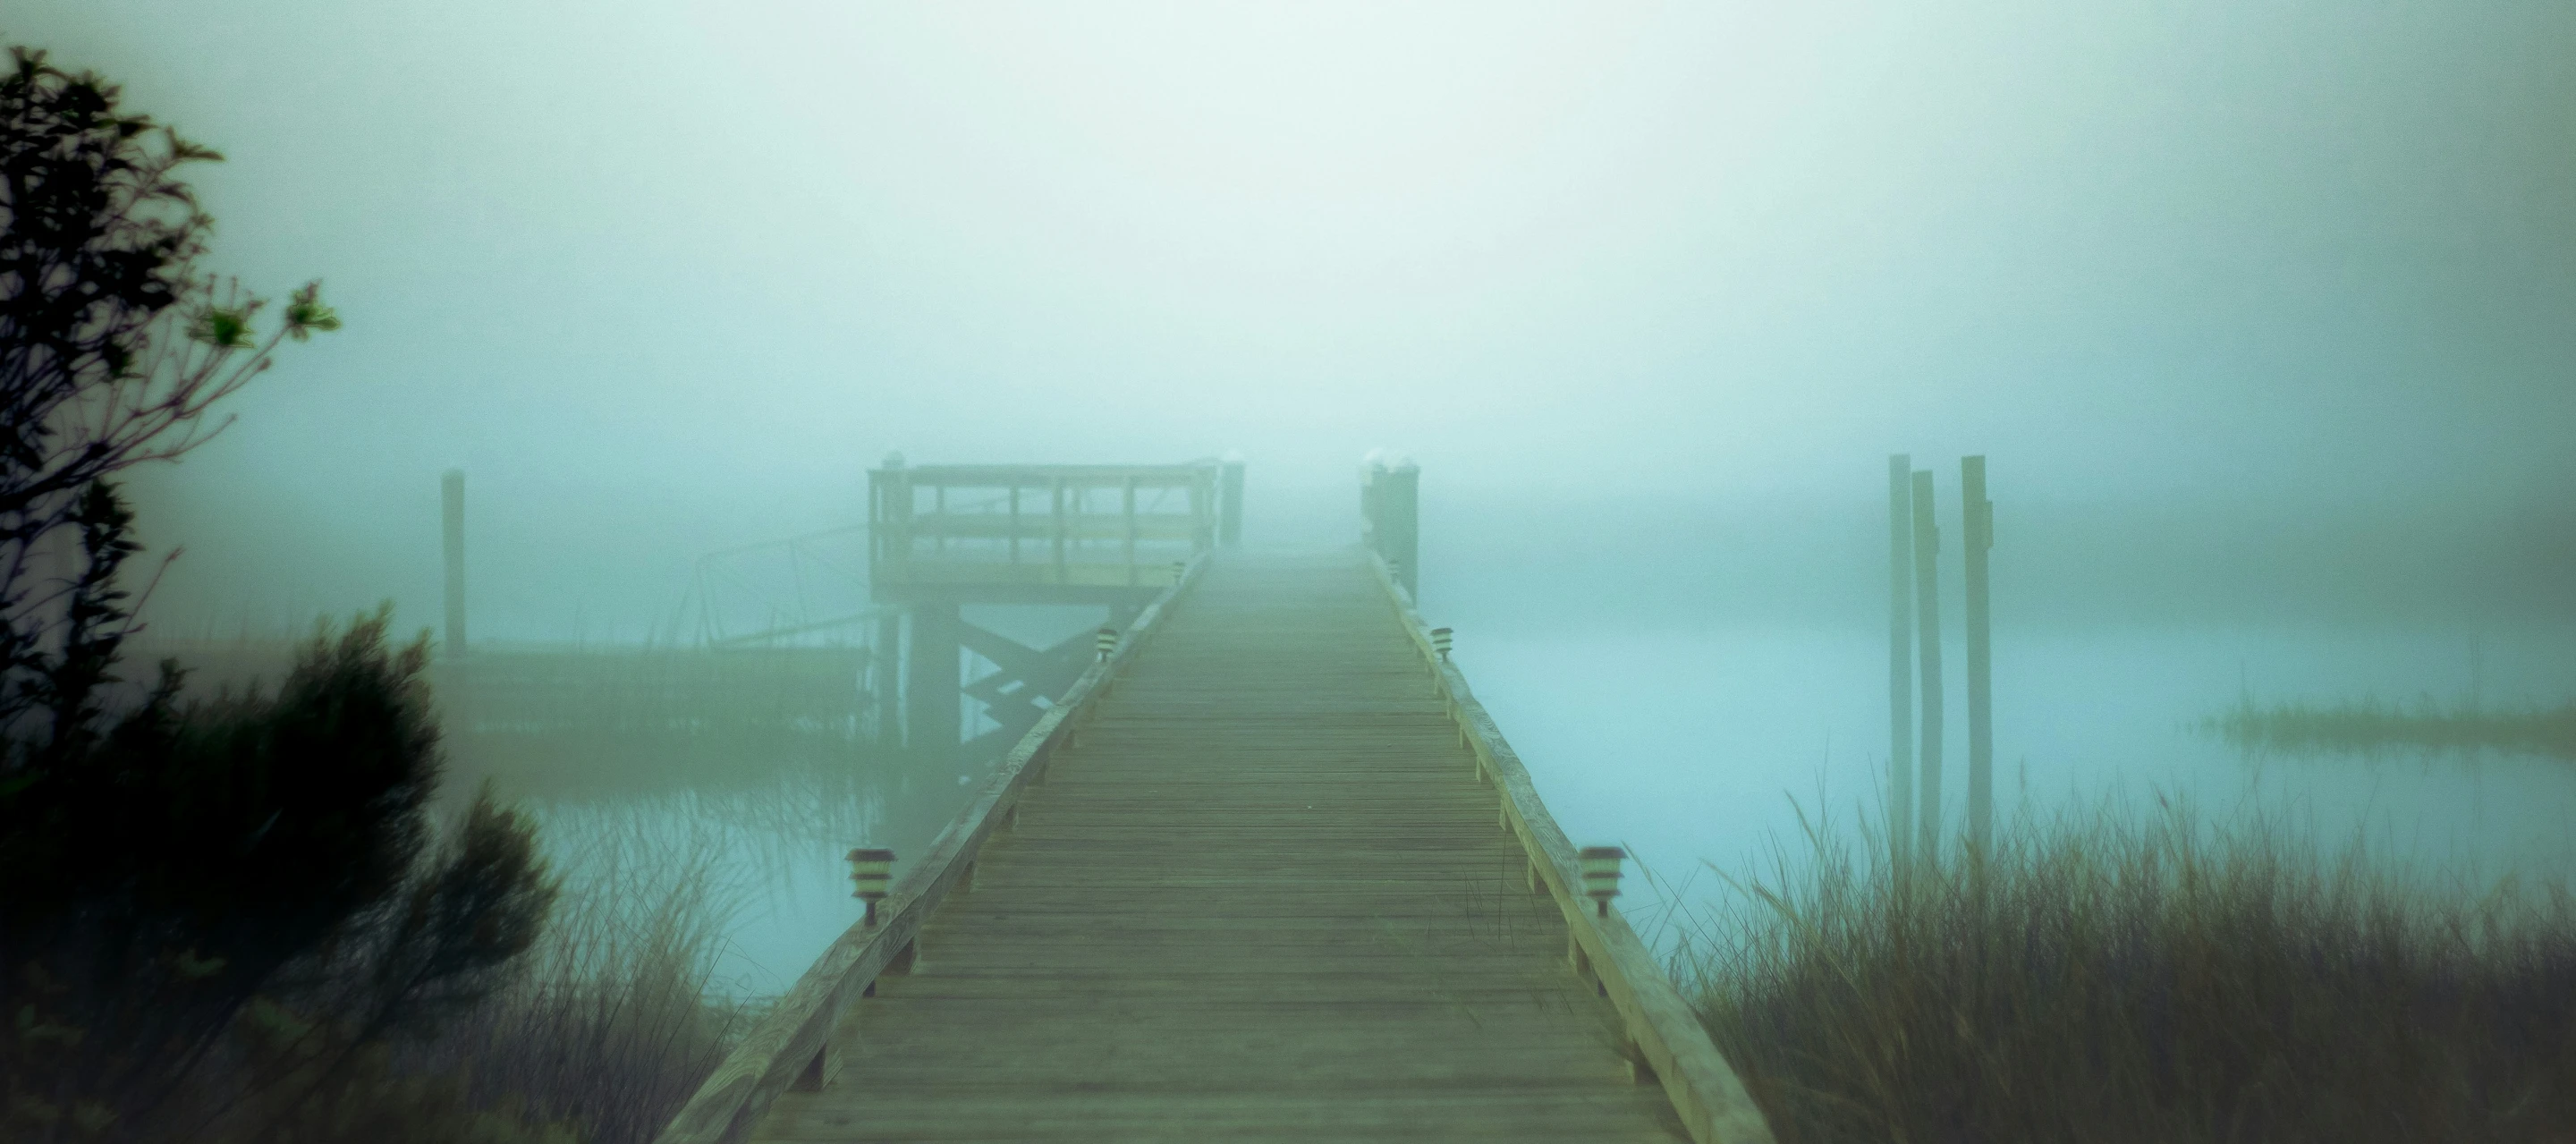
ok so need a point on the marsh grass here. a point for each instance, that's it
(2106, 979)
(616, 1018)
(2372, 726)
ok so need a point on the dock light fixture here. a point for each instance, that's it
(1108, 642)
(1180, 568)
(871, 868)
(1440, 642)
(1601, 875)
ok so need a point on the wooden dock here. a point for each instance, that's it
(1267, 874)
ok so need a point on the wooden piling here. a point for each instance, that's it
(886, 672)
(1977, 521)
(933, 705)
(1927, 616)
(1900, 657)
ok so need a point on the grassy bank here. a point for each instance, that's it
(2372, 726)
(2103, 981)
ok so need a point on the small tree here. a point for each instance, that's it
(113, 349)
(203, 899)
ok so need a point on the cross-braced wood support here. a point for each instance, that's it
(943, 536)
(1024, 682)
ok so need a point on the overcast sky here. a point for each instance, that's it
(693, 267)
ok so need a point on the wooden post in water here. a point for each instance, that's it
(1977, 521)
(1927, 617)
(933, 708)
(1900, 658)
(887, 673)
(451, 487)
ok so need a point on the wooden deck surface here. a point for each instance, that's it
(1262, 898)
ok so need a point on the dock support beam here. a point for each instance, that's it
(885, 671)
(931, 697)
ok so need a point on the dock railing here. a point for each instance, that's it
(792, 1045)
(1662, 1031)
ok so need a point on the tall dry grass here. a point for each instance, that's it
(2111, 979)
(614, 1021)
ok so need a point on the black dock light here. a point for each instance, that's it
(1440, 641)
(1180, 568)
(1601, 874)
(871, 869)
(1108, 643)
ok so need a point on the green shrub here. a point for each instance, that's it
(186, 867)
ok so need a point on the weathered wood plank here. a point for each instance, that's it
(789, 1042)
(1259, 895)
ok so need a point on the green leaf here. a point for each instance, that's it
(221, 328)
(306, 313)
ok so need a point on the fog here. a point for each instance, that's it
(2264, 314)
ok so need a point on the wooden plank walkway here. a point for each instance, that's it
(1262, 896)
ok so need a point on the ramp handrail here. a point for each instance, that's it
(1705, 1091)
(791, 1046)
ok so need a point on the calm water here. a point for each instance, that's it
(1690, 749)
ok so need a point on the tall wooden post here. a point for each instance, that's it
(1229, 529)
(451, 487)
(1398, 523)
(1927, 617)
(932, 707)
(889, 522)
(1977, 521)
(1900, 657)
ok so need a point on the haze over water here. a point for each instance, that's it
(2261, 313)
